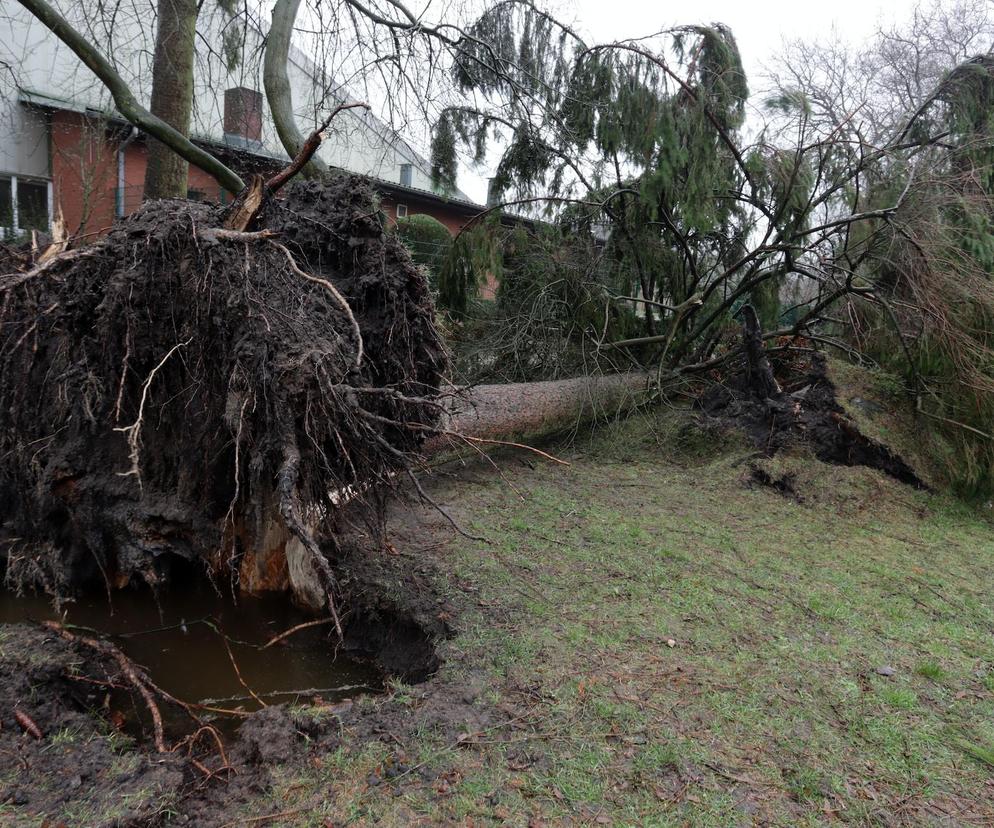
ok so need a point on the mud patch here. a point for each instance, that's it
(783, 484)
(81, 768)
(87, 770)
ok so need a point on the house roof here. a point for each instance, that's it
(399, 192)
(237, 143)
(255, 149)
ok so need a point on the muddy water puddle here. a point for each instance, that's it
(181, 644)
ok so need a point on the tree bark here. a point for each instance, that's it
(758, 369)
(525, 411)
(279, 95)
(167, 173)
(125, 100)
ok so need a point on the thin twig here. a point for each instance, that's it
(488, 441)
(307, 624)
(262, 818)
(238, 673)
(438, 508)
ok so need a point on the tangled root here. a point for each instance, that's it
(177, 389)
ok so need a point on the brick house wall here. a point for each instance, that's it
(84, 167)
(453, 221)
(455, 218)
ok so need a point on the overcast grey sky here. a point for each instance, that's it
(759, 27)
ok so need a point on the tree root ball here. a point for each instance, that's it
(176, 390)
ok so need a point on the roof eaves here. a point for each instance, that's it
(230, 141)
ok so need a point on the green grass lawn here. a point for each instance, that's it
(664, 643)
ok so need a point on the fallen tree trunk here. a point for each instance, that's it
(529, 411)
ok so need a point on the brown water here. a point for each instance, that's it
(180, 645)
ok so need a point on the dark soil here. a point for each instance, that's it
(784, 483)
(81, 765)
(83, 768)
(166, 392)
(804, 413)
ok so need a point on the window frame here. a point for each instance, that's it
(400, 214)
(15, 227)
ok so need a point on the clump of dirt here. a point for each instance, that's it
(398, 615)
(172, 391)
(802, 411)
(784, 484)
(55, 754)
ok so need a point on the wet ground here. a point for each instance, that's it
(88, 756)
(180, 641)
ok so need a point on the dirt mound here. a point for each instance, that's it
(69, 763)
(800, 408)
(175, 390)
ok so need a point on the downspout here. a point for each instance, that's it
(122, 147)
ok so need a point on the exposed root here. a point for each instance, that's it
(276, 639)
(238, 673)
(443, 512)
(135, 677)
(133, 431)
(356, 332)
(286, 487)
(258, 371)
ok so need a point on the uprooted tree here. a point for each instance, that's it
(216, 383)
(178, 388)
(858, 219)
(209, 383)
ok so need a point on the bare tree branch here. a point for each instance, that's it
(126, 101)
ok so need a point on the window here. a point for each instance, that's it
(6, 207)
(406, 175)
(24, 205)
(196, 195)
(401, 211)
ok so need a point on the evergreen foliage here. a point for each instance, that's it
(641, 133)
(474, 255)
(941, 258)
(553, 304)
(428, 240)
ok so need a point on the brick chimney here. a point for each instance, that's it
(493, 197)
(243, 113)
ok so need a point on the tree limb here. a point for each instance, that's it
(126, 101)
(277, 86)
(307, 150)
